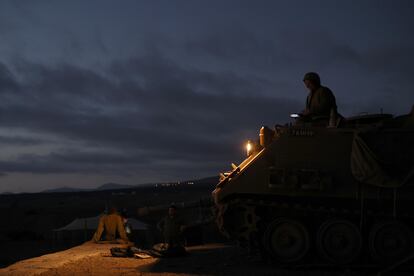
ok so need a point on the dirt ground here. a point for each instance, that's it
(211, 259)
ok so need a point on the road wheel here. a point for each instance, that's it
(339, 241)
(390, 241)
(286, 240)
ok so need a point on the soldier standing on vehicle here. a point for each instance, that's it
(320, 101)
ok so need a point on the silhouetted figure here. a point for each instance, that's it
(320, 101)
(112, 226)
(127, 225)
(172, 227)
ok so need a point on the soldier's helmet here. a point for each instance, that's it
(312, 76)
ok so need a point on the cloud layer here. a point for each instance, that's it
(142, 92)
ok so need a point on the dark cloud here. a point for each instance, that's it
(73, 162)
(149, 109)
(237, 44)
(21, 141)
(159, 89)
(7, 80)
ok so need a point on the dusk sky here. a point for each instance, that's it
(150, 91)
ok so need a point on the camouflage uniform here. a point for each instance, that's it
(111, 225)
(320, 102)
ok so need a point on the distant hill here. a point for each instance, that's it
(207, 181)
(114, 186)
(65, 190)
(104, 187)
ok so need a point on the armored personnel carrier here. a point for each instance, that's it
(331, 190)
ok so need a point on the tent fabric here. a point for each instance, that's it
(366, 166)
(91, 223)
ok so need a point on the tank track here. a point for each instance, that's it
(244, 220)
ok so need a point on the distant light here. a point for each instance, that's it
(294, 115)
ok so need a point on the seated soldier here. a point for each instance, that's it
(172, 228)
(112, 226)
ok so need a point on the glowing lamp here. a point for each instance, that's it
(249, 148)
